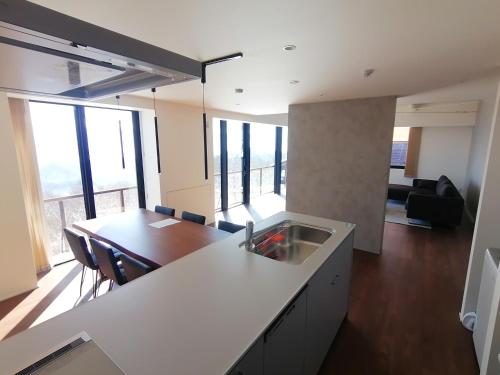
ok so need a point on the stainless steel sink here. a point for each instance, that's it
(289, 241)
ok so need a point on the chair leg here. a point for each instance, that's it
(98, 282)
(110, 285)
(83, 278)
(93, 284)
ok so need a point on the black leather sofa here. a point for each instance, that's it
(436, 201)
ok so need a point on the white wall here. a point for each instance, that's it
(183, 185)
(484, 90)
(487, 228)
(445, 150)
(17, 273)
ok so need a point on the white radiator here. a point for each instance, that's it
(485, 301)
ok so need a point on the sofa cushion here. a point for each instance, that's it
(445, 190)
(424, 191)
(426, 184)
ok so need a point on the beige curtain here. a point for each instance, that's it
(413, 152)
(32, 192)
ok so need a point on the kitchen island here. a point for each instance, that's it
(218, 310)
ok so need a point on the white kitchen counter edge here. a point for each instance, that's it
(204, 310)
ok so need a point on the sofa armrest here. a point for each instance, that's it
(428, 184)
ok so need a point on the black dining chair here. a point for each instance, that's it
(82, 253)
(195, 218)
(108, 264)
(165, 210)
(229, 227)
(133, 268)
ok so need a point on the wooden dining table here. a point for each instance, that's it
(131, 233)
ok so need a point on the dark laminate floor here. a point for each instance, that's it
(403, 316)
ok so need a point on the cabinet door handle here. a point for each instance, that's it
(273, 329)
(334, 281)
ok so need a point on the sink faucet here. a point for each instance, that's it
(249, 236)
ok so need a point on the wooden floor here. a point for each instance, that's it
(403, 316)
(58, 291)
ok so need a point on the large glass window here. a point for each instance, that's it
(109, 136)
(56, 145)
(399, 147)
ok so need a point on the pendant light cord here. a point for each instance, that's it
(153, 90)
(203, 100)
(120, 132)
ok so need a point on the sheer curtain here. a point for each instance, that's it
(25, 147)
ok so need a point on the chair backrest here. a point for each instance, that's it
(229, 227)
(79, 247)
(133, 268)
(165, 210)
(106, 261)
(195, 218)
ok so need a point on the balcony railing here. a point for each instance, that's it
(264, 185)
(61, 212)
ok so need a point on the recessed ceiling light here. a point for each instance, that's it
(289, 47)
(294, 82)
(238, 91)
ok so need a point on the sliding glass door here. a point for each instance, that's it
(250, 161)
(262, 155)
(90, 165)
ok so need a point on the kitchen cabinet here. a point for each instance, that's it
(298, 340)
(284, 340)
(252, 362)
(327, 304)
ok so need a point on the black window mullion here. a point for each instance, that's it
(278, 160)
(224, 196)
(85, 168)
(246, 163)
(141, 191)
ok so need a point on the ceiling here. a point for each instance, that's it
(412, 45)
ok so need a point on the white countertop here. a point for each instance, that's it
(197, 315)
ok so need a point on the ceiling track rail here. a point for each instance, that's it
(204, 64)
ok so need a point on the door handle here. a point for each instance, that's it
(334, 281)
(273, 329)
